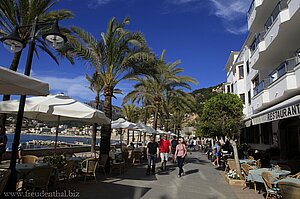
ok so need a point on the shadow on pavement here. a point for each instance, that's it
(110, 190)
(191, 171)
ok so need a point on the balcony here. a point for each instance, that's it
(258, 13)
(280, 83)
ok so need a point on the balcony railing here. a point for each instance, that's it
(251, 9)
(260, 87)
(285, 67)
(282, 4)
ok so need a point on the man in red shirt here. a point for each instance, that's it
(164, 149)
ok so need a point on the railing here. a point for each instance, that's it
(283, 68)
(260, 87)
(250, 9)
(281, 5)
(256, 41)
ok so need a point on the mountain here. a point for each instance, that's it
(116, 111)
(204, 94)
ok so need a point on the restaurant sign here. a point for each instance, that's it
(286, 112)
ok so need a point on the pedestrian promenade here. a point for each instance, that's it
(201, 180)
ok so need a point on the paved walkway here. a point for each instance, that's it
(202, 180)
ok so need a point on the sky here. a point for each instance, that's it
(200, 33)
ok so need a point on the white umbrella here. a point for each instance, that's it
(121, 123)
(14, 83)
(55, 108)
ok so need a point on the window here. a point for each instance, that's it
(228, 88)
(247, 65)
(254, 135)
(266, 133)
(241, 72)
(249, 97)
(255, 81)
(232, 88)
(242, 96)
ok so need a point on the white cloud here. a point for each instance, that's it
(230, 9)
(77, 88)
(74, 87)
(231, 12)
(179, 2)
(96, 3)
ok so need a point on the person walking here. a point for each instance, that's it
(152, 154)
(174, 143)
(164, 149)
(180, 153)
(3, 142)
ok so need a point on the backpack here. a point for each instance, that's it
(173, 143)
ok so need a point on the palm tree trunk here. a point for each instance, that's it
(94, 133)
(13, 66)
(155, 118)
(127, 136)
(106, 128)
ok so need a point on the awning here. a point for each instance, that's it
(286, 109)
(14, 83)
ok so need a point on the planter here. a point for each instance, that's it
(234, 182)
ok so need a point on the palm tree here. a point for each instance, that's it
(119, 54)
(154, 90)
(16, 13)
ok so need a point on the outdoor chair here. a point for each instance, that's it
(66, 171)
(231, 164)
(285, 167)
(88, 168)
(246, 168)
(29, 159)
(250, 157)
(4, 175)
(102, 163)
(38, 178)
(297, 175)
(258, 163)
(268, 179)
(289, 190)
(136, 156)
(120, 166)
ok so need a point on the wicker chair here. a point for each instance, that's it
(231, 164)
(29, 159)
(289, 190)
(246, 168)
(250, 157)
(66, 171)
(4, 175)
(102, 163)
(297, 175)
(88, 168)
(136, 156)
(258, 163)
(271, 191)
(38, 178)
(285, 167)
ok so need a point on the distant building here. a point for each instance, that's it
(265, 74)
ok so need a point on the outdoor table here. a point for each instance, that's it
(24, 169)
(288, 179)
(76, 159)
(247, 161)
(255, 174)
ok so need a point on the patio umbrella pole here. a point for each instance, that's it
(56, 134)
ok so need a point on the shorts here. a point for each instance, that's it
(164, 156)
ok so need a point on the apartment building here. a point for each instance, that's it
(265, 73)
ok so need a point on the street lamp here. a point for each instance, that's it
(13, 43)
